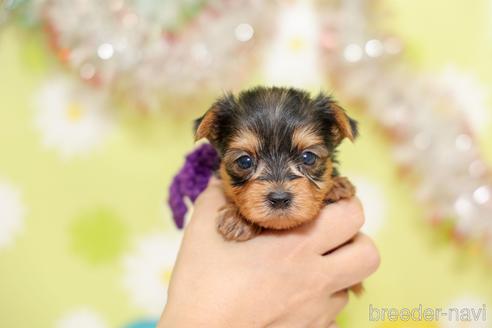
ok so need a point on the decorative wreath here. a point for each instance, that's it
(149, 52)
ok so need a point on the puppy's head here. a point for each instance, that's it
(277, 150)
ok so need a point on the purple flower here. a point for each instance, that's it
(191, 180)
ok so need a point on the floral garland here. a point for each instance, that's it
(147, 52)
(127, 46)
(423, 117)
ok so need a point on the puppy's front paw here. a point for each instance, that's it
(342, 189)
(232, 226)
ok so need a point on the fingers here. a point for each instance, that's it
(336, 224)
(333, 325)
(351, 263)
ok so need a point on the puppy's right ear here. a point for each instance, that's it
(208, 125)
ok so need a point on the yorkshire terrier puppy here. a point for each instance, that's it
(278, 154)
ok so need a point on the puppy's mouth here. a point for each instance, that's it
(278, 206)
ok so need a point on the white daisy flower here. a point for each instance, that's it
(374, 202)
(293, 57)
(81, 318)
(12, 213)
(71, 117)
(148, 270)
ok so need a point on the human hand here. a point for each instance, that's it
(277, 279)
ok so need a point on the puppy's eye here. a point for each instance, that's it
(245, 162)
(308, 158)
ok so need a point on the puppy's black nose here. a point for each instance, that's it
(279, 199)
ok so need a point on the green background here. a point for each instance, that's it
(84, 215)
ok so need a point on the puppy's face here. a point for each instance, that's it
(277, 151)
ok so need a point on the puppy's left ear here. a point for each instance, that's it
(345, 126)
(340, 125)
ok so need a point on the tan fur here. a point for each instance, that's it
(301, 190)
(228, 191)
(305, 137)
(343, 122)
(358, 289)
(246, 141)
(342, 189)
(205, 129)
(250, 198)
(247, 210)
(233, 226)
(306, 205)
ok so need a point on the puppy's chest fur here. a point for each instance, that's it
(278, 157)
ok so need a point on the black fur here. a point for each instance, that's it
(273, 114)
